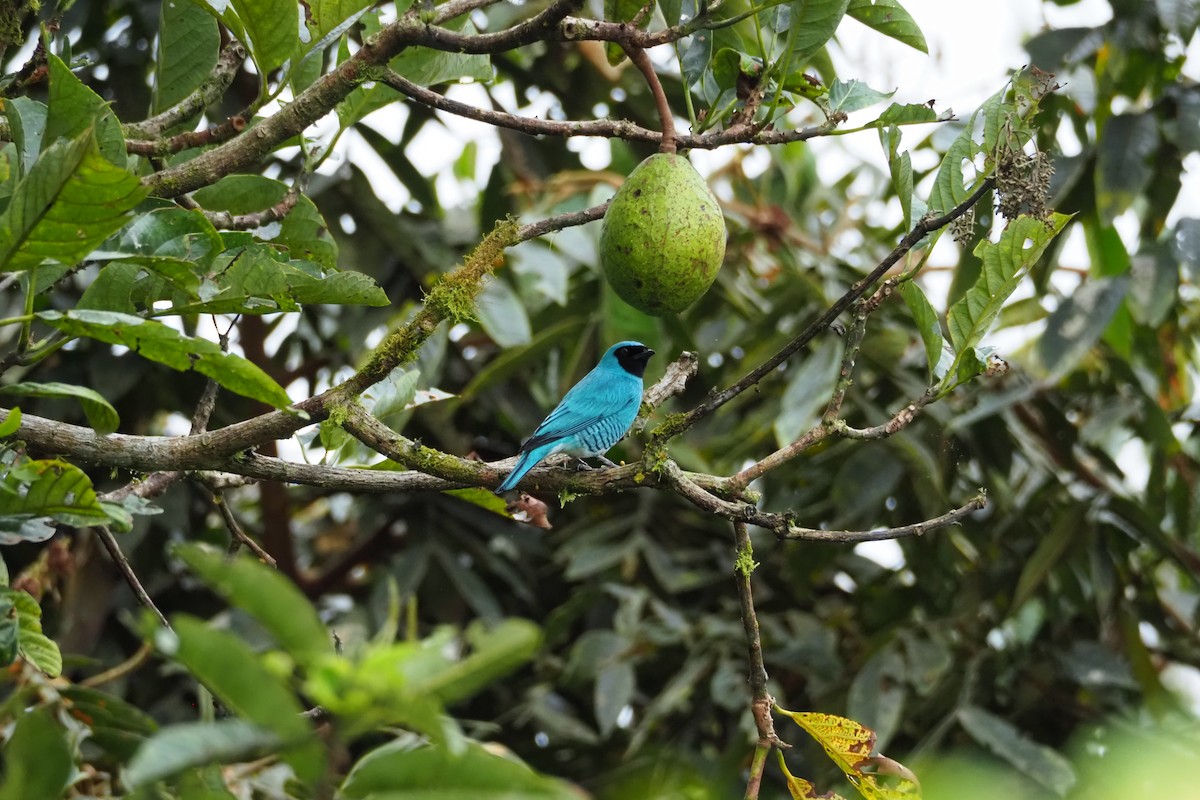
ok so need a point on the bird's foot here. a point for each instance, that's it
(582, 465)
(608, 462)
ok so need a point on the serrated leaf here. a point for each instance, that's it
(188, 46)
(74, 109)
(233, 672)
(27, 126)
(478, 774)
(1034, 760)
(852, 95)
(949, 188)
(39, 650)
(100, 414)
(266, 595)
(70, 201)
(50, 488)
(179, 747)
(259, 280)
(930, 328)
(891, 19)
(1004, 264)
(158, 342)
(37, 759)
(303, 231)
(903, 114)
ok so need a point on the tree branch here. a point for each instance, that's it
(919, 231)
(207, 93)
(317, 100)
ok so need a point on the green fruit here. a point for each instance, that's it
(663, 238)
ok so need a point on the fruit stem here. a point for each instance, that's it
(642, 61)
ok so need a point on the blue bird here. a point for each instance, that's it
(594, 414)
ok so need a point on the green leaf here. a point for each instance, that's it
(813, 23)
(877, 694)
(260, 280)
(265, 594)
(50, 488)
(303, 231)
(1036, 761)
(74, 109)
(902, 182)
(170, 232)
(27, 125)
(70, 201)
(1124, 163)
(502, 315)
(852, 95)
(41, 651)
(889, 18)
(430, 772)
(158, 342)
(904, 114)
(497, 650)
(615, 685)
(9, 630)
(427, 67)
(188, 45)
(34, 646)
(1005, 263)
(100, 414)
(1068, 530)
(1078, 322)
(326, 15)
(116, 726)
(808, 390)
(11, 423)
(229, 668)
(179, 747)
(270, 29)
(37, 759)
(623, 11)
(949, 188)
(930, 327)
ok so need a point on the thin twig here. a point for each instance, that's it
(237, 536)
(743, 567)
(114, 551)
(757, 767)
(919, 231)
(976, 503)
(248, 222)
(120, 670)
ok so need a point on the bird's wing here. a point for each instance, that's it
(562, 422)
(595, 398)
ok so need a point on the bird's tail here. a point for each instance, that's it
(526, 462)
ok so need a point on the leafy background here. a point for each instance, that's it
(1019, 654)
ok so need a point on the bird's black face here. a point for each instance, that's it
(633, 358)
